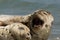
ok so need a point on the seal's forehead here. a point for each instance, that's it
(41, 11)
(43, 14)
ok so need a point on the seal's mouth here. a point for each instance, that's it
(37, 22)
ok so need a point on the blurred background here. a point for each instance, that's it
(24, 7)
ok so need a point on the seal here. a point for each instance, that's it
(19, 31)
(15, 31)
(39, 23)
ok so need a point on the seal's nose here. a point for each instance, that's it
(28, 37)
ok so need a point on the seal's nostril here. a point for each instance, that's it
(28, 34)
(27, 38)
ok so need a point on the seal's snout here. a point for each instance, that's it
(28, 37)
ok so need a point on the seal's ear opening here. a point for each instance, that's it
(37, 21)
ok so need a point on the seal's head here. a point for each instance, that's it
(40, 23)
(19, 31)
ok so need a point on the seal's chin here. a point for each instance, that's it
(37, 22)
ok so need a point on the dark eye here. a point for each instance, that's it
(21, 28)
(46, 25)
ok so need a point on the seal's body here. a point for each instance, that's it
(9, 19)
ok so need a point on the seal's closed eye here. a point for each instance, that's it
(21, 28)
